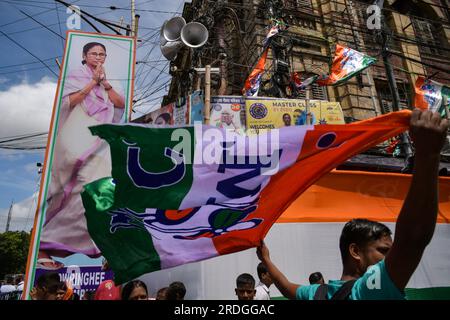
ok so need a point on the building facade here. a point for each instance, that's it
(418, 42)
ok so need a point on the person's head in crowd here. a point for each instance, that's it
(47, 286)
(88, 295)
(316, 278)
(264, 275)
(176, 291)
(162, 293)
(245, 287)
(364, 243)
(135, 290)
(10, 280)
(287, 119)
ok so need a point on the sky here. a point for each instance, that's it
(28, 87)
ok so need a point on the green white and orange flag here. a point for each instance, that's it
(346, 64)
(180, 195)
(429, 95)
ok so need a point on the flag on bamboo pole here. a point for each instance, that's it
(253, 81)
(274, 30)
(429, 95)
(346, 64)
(180, 195)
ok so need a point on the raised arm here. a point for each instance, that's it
(417, 219)
(115, 98)
(287, 288)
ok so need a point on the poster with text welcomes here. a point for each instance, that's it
(271, 113)
(227, 113)
(95, 87)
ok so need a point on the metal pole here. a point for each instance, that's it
(207, 93)
(133, 12)
(136, 25)
(307, 109)
(394, 91)
(223, 69)
(9, 217)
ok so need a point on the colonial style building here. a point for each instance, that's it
(418, 41)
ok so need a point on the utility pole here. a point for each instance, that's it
(207, 111)
(307, 108)
(8, 221)
(133, 12)
(207, 71)
(406, 146)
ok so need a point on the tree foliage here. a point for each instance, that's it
(13, 252)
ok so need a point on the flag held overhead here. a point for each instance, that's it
(216, 207)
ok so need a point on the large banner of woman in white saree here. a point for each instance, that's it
(95, 86)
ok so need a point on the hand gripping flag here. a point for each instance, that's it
(346, 64)
(429, 95)
(167, 205)
(253, 81)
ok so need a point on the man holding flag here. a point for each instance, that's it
(375, 267)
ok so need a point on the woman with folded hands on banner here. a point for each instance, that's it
(88, 99)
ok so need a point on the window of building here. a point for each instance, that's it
(301, 5)
(427, 33)
(385, 96)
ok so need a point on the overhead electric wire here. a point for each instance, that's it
(25, 49)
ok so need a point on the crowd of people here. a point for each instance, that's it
(49, 287)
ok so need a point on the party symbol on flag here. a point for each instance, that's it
(151, 180)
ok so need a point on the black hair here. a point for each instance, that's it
(244, 279)
(360, 232)
(89, 46)
(176, 291)
(162, 292)
(315, 277)
(261, 268)
(130, 286)
(286, 114)
(50, 281)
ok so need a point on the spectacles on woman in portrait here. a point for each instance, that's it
(95, 54)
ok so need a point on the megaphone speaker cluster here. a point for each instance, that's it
(176, 33)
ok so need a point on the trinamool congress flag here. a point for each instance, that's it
(429, 95)
(346, 64)
(179, 195)
(302, 85)
(251, 86)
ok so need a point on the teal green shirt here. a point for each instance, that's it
(375, 284)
